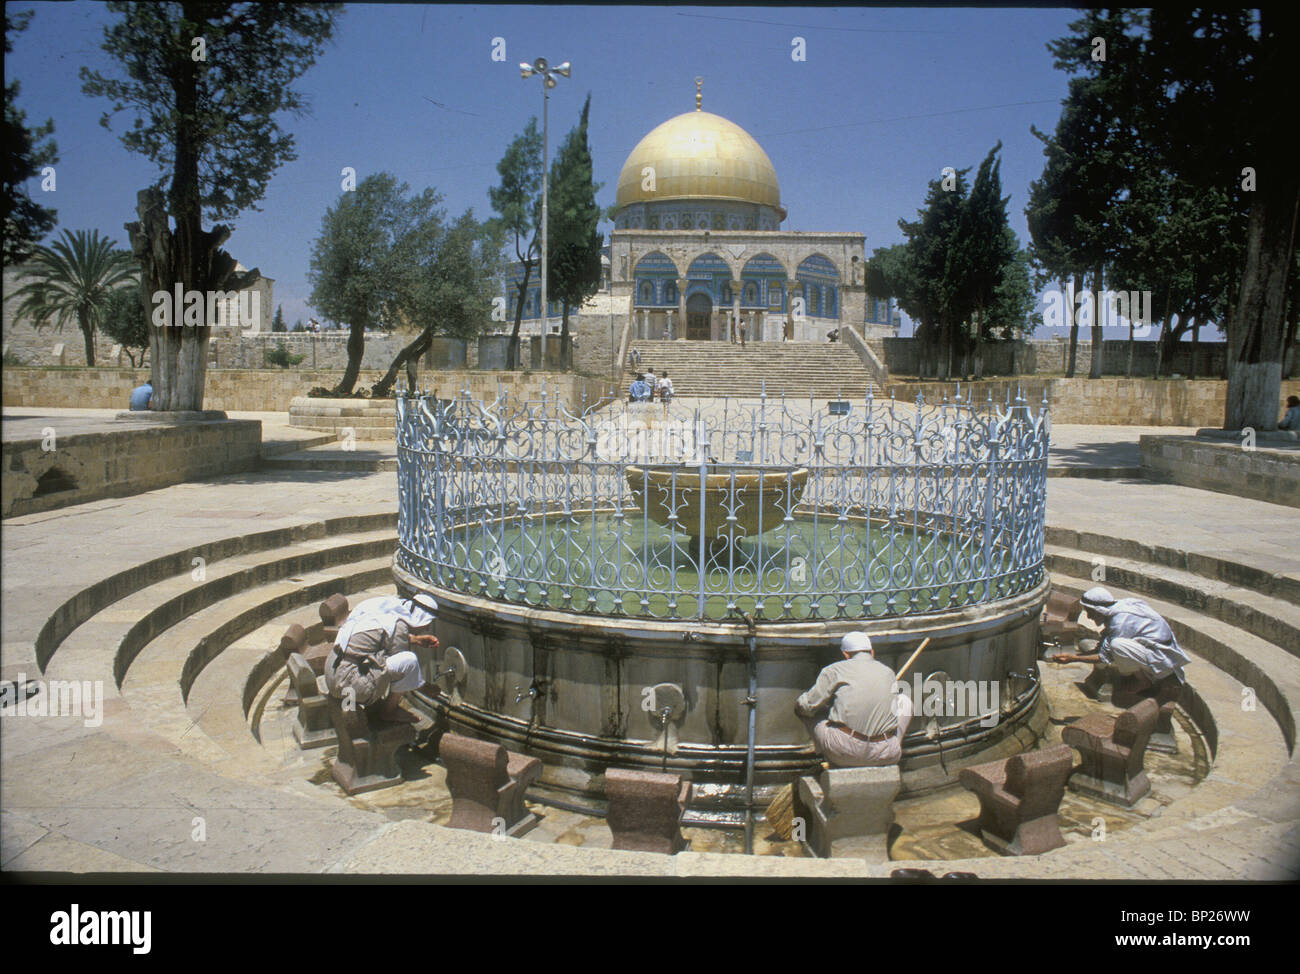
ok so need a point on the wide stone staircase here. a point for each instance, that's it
(830, 370)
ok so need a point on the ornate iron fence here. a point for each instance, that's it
(787, 510)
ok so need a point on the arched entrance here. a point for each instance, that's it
(699, 311)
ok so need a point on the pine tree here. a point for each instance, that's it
(574, 269)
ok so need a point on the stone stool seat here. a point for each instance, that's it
(312, 726)
(646, 809)
(850, 811)
(1167, 693)
(1019, 798)
(1060, 619)
(487, 785)
(368, 744)
(1112, 749)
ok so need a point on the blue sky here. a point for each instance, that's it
(885, 99)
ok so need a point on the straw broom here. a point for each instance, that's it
(780, 813)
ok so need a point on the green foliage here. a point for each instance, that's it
(517, 200)
(517, 203)
(126, 320)
(451, 291)
(211, 122)
(281, 357)
(573, 268)
(277, 322)
(455, 278)
(1144, 178)
(960, 274)
(361, 260)
(71, 280)
(1014, 304)
(25, 152)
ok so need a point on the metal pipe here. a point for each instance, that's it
(751, 702)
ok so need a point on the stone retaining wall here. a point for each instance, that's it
(140, 455)
(1267, 473)
(1051, 356)
(1104, 402)
(271, 390)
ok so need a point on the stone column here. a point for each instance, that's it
(852, 306)
(682, 282)
(792, 325)
(668, 328)
(735, 303)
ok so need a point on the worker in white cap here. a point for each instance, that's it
(376, 654)
(1135, 640)
(865, 719)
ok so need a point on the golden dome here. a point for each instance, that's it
(700, 155)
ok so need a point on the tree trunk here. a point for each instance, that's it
(1256, 337)
(407, 356)
(188, 256)
(1097, 334)
(1288, 347)
(356, 352)
(512, 353)
(1196, 346)
(1160, 347)
(88, 335)
(1129, 370)
(565, 359)
(1073, 361)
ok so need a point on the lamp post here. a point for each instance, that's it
(543, 68)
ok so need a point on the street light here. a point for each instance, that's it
(542, 67)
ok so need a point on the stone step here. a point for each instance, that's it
(1216, 566)
(1270, 619)
(334, 458)
(104, 646)
(158, 685)
(110, 591)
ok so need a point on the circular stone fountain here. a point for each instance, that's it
(601, 607)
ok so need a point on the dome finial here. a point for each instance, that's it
(699, 97)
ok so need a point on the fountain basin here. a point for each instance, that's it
(737, 501)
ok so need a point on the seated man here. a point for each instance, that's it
(1291, 418)
(141, 397)
(373, 655)
(1134, 639)
(867, 719)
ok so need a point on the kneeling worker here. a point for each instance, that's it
(373, 655)
(1135, 639)
(866, 721)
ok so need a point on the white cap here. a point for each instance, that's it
(426, 602)
(1097, 598)
(855, 642)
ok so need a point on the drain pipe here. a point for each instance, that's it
(751, 702)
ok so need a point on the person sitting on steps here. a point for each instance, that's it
(376, 655)
(1135, 641)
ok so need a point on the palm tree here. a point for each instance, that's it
(72, 279)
